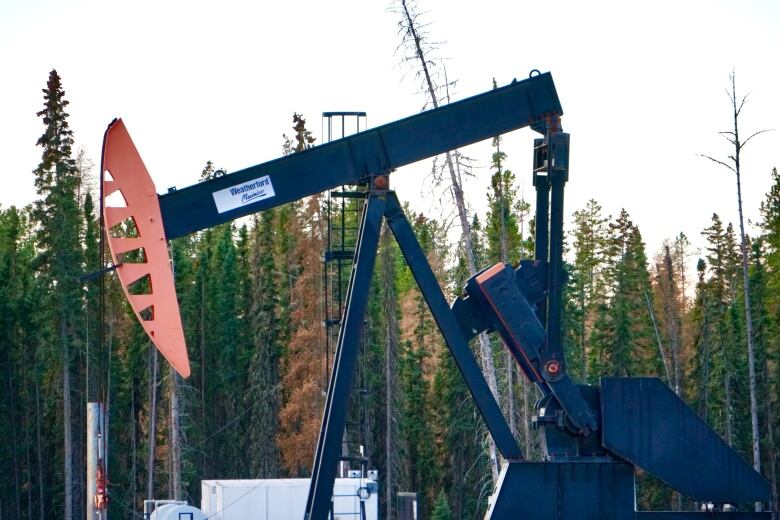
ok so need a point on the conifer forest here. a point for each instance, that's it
(252, 294)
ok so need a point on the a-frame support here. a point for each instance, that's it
(383, 205)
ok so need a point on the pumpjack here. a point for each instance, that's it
(594, 437)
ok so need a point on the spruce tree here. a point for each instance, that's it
(441, 510)
(17, 303)
(587, 283)
(770, 227)
(263, 392)
(722, 262)
(622, 339)
(59, 264)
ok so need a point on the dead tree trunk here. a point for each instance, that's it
(504, 242)
(413, 37)
(733, 137)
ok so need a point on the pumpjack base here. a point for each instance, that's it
(564, 491)
(580, 491)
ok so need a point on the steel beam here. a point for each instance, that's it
(354, 158)
(450, 329)
(327, 455)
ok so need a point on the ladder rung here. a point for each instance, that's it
(346, 254)
(348, 194)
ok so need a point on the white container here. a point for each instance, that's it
(283, 499)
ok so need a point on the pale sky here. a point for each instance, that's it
(641, 83)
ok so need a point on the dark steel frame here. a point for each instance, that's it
(384, 205)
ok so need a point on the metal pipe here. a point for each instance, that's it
(93, 428)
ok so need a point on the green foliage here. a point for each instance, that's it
(441, 510)
(587, 287)
(622, 337)
(250, 303)
(263, 390)
(502, 230)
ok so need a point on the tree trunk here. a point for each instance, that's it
(133, 434)
(770, 420)
(28, 481)
(658, 339)
(202, 341)
(510, 390)
(705, 362)
(749, 323)
(174, 437)
(391, 349)
(510, 393)
(67, 426)
(14, 444)
(748, 313)
(729, 419)
(106, 411)
(526, 418)
(39, 442)
(152, 426)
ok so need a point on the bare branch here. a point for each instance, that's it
(742, 103)
(755, 134)
(719, 162)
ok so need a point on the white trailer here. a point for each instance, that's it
(285, 499)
